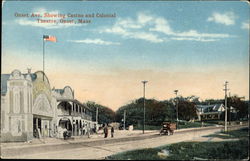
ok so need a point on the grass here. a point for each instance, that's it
(183, 125)
(194, 150)
(148, 127)
(241, 134)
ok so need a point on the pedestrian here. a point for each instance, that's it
(83, 129)
(112, 132)
(88, 130)
(105, 130)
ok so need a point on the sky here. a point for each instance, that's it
(190, 46)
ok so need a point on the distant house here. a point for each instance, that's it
(211, 112)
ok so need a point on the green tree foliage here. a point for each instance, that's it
(240, 106)
(186, 109)
(156, 112)
(212, 101)
(105, 114)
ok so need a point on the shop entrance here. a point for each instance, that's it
(37, 127)
(41, 126)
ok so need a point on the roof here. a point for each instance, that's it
(59, 90)
(32, 75)
(75, 101)
(209, 108)
(204, 107)
(4, 79)
(217, 106)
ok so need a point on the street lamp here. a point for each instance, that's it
(144, 83)
(176, 91)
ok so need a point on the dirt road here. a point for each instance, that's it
(99, 148)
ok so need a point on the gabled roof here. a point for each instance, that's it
(61, 91)
(204, 107)
(217, 106)
(209, 108)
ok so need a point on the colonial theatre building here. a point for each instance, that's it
(31, 109)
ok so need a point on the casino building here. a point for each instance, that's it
(30, 108)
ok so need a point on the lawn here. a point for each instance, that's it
(241, 134)
(186, 124)
(193, 150)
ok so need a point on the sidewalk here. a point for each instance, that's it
(95, 137)
(76, 139)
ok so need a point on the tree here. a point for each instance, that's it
(156, 112)
(105, 114)
(186, 107)
(240, 106)
(186, 110)
(212, 101)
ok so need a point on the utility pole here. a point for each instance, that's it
(229, 116)
(144, 83)
(176, 91)
(96, 116)
(124, 120)
(226, 104)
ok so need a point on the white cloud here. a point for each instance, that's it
(95, 41)
(130, 29)
(194, 33)
(143, 18)
(146, 36)
(193, 39)
(245, 25)
(150, 28)
(161, 25)
(227, 18)
(50, 25)
(134, 28)
(129, 23)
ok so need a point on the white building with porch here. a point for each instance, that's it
(212, 112)
(30, 108)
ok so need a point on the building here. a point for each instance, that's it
(211, 112)
(30, 108)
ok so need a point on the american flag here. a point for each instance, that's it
(49, 38)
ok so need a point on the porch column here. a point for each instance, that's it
(37, 124)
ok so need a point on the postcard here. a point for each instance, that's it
(125, 80)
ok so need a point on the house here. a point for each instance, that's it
(211, 112)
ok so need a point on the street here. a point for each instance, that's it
(99, 148)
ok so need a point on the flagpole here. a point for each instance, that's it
(43, 56)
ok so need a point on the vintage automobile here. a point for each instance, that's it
(168, 128)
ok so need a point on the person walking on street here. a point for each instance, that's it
(88, 130)
(112, 132)
(105, 130)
